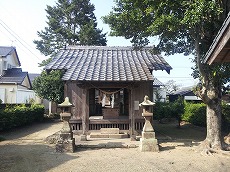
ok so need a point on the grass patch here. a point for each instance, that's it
(187, 131)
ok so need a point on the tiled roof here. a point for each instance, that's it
(183, 91)
(14, 75)
(101, 63)
(157, 83)
(4, 51)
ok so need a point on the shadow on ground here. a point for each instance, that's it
(19, 132)
(30, 157)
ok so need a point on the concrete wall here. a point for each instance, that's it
(12, 93)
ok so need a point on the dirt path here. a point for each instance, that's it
(25, 151)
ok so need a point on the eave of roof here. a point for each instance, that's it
(219, 44)
(157, 83)
(102, 63)
(14, 75)
(5, 51)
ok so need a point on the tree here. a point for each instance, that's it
(49, 86)
(171, 86)
(187, 27)
(69, 23)
(177, 109)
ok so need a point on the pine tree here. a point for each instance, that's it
(70, 22)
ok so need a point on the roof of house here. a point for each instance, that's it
(14, 75)
(219, 50)
(5, 51)
(183, 91)
(102, 63)
(157, 83)
(33, 76)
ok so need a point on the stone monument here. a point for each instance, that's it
(66, 142)
(148, 142)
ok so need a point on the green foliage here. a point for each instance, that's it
(162, 110)
(49, 86)
(69, 23)
(20, 115)
(174, 109)
(178, 25)
(175, 23)
(226, 117)
(195, 114)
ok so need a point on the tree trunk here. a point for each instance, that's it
(213, 137)
(210, 93)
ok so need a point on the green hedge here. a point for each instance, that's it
(20, 115)
(169, 110)
(162, 110)
(195, 113)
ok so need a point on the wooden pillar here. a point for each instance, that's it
(85, 111)
(131, 113)
(66, 89)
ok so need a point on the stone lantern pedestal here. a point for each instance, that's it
(66, 142)
(148, 142)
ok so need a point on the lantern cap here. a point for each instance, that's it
(146, 102)
(66, 103)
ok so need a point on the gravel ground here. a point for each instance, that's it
(24, 150)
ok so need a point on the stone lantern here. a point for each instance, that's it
(66, 142)
(148, 140)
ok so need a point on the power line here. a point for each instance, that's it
(18, 38)
(185, 77)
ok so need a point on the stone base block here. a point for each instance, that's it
(83, 138)
(148, 135)
(149, 145)
(66, 146)
(66, 136)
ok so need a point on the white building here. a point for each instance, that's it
(15, 85)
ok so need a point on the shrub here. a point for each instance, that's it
(195, 114)
(19, 115)
(161, 110)
(169, 110)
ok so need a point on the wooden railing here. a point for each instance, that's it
(122, 124)
(76, 125)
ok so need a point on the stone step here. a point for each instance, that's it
(114, 136)
(110, 131)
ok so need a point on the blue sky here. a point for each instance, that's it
(21, 19)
